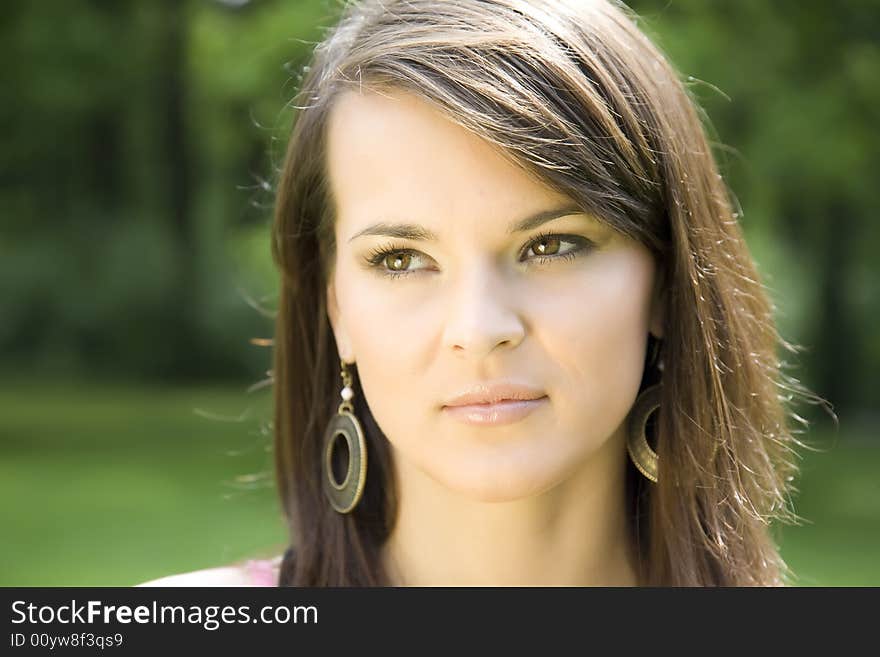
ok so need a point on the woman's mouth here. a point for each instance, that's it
(506, 411)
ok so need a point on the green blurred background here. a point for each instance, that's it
(141, 140)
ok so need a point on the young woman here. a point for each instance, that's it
(504, 242)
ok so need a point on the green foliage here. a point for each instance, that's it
(138, 162)
(791, 91)
(145, 137)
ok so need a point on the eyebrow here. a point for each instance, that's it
(419, 233)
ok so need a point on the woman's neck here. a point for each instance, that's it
(574, 534)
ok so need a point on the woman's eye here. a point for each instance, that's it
(394, 262)
(546, 248)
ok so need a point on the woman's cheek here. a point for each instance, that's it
(599, 342)
(391, 328)
(386, 321)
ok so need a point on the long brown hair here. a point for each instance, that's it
(577, 95)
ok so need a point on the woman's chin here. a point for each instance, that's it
(495, 487)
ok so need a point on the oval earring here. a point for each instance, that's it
(344, 496)
(640, 452)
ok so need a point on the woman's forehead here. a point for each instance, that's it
(394, 153)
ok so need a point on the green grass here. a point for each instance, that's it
(838, 543)
(114, 485)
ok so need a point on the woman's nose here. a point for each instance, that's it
(482, 315)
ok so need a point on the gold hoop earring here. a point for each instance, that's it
(640, 452)
(345, 495)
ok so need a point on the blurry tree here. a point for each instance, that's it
(792, 90)
(133, 152)
(137, 167)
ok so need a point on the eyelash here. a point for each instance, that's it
(376, 256)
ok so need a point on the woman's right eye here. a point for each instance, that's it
(392, 261)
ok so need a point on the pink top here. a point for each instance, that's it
(262, 572)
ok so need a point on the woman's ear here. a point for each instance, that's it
(658, 304)
(333, 314)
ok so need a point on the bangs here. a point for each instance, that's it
(571, 116)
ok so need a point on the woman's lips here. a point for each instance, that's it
(506, 411)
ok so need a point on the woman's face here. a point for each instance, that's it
(567, 314)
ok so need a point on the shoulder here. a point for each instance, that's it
(222, 576)
(253, 572)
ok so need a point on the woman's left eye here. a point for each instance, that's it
(549, 247)
(546, 248)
